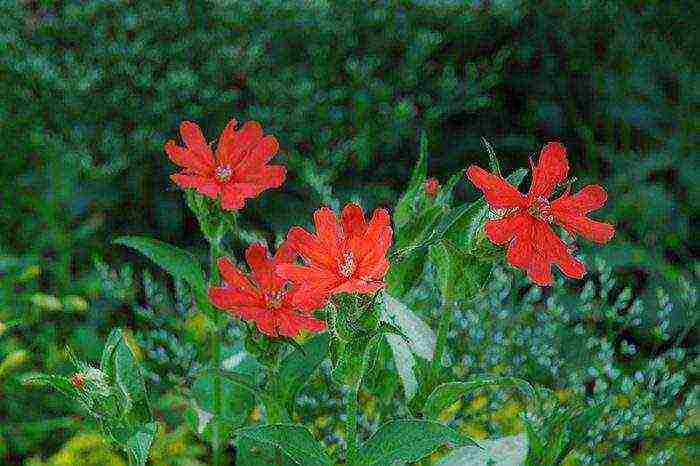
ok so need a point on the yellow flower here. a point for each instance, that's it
(12, 361)
(46, 301)
(479, 403)
(77, 303)
(29, 273)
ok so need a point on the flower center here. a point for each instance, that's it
(274, 300)
(347, 268)
(223, 172)
(541, 209)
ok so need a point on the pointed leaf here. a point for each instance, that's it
(295, 442)
(408, 440)
(178, 262)
(297, 367)
(403, 210)
(447, 393)
(139, 445)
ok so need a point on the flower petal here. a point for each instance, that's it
(232, 275)
(358, 286)
(570, 212)
(194, 139)
(353, 219)
(552, 169)
(498, 192)
(260, 154)
(187, 158)
(503, 230)
(227, 142)
(203, 185)
(244, 141)
(229, 298)
(309, 248)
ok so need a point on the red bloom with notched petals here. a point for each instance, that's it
(238, 171)
(346, 256)
(527, 223)
(262, 296)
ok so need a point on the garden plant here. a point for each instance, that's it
(281, 232)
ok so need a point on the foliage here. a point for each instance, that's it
(91, 90)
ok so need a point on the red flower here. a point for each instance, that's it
(526, 226)
(239, 171)
(431, 187)
(346, 256)
(262, 296)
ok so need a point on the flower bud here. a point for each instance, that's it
(432, 186)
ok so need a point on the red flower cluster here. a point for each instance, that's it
(346, 256)
(526, 225)
(263, 296)
(239, 171)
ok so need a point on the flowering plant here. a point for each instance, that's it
(335, 294)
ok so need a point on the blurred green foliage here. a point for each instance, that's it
(91, 90)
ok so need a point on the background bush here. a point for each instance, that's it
(92, 90)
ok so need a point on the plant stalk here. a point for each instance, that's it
(351, 425)
(216, 440)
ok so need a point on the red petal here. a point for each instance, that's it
(503, 230)
(230, 298)
(302, 274)
(551, 170)
(310, 248)
(204, 185)
(234, 195)
(259, 155)
(353, 219)
(267, 325)
(570, 212)
(328, 232)
(554, 250)
(262, 265)
(194, 139)
(376, 240)
(285, 253)
(358, 286)
(187, 159)
(267, 177)
(232, 275)
(498, 192)
(245, 139)
(227, 140)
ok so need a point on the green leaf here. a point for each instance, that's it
(139, 445)
(404, 208)
(128, 378)
(408, 440)
(296, 368)
(493, 160)
(236, 404)
(295, 442)
(447, 393)
(107, 360)
(506, 451)
(421, 337)
(178, 262)
(460, 274)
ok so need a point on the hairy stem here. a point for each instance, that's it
(351, 425)
(216, 440)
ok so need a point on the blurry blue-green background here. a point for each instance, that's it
(91, 90)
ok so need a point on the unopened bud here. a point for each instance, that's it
(432, 186)
(78, 380)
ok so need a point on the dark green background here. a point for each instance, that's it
(90, 91)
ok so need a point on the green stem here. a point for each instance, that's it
(441, 343)
(216, 440)
(351, 425)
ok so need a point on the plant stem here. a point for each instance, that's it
(351, 425)
(217, 450)
(441, 343)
